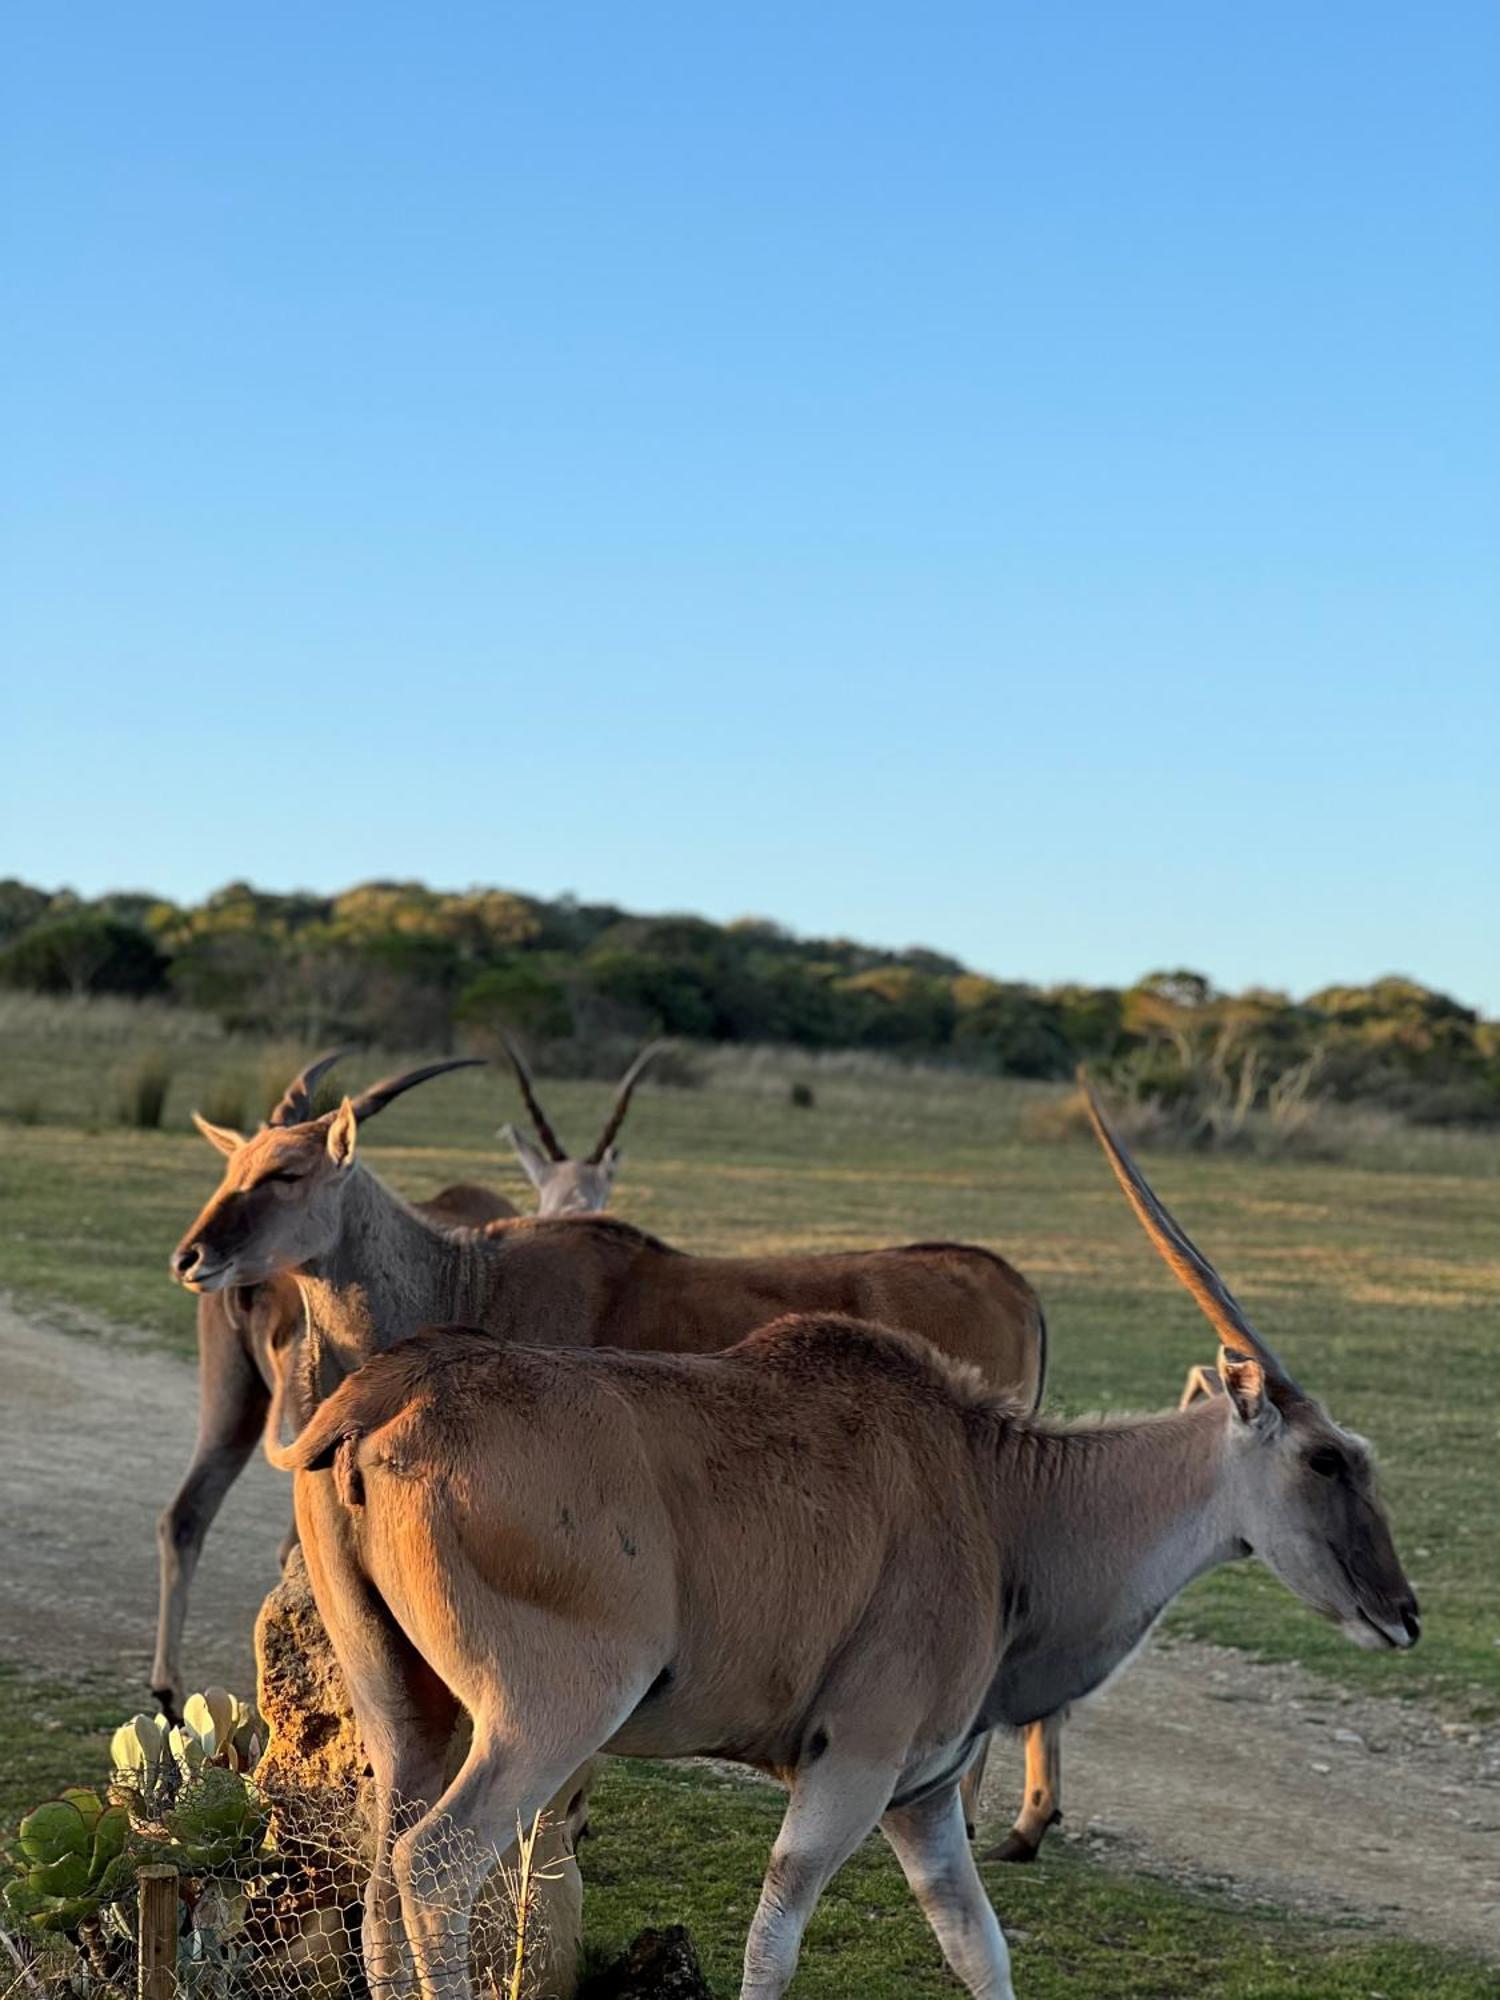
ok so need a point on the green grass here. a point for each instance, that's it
(52, 1733)
(1378, 1286)
(679, 1844)
(682, 1846)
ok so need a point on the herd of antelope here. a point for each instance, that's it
(798, 1511)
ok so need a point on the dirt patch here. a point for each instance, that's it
(95, 1433)
(1210, 1768)
(1197, 1763)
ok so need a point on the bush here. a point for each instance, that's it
(84, 954)
(520, 995)
(142, 1093)
(1177, 1094)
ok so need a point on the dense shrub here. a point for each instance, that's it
(84, 953)
(401, 964)
(141, 1094)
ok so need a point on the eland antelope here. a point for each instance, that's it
(567, 1186)
(372, 1271)
(829, 1553)
(239, 1330)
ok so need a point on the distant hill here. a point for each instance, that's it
(399, 963)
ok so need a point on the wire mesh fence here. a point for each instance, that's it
(267, 1897)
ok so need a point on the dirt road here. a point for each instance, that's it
(1196, 1763)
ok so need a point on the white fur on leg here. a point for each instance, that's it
(834, 1804)
(932, 1846)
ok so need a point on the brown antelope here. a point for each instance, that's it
(239, 1329)
(829, 1553)
(239, 1332)
(567, 1186)
(371, 1272)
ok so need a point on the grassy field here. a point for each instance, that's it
(1378, 1282)
(681, 1845)
(1380, 1286)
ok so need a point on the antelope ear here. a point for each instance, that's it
(343, 1134)
(222, 1136)
(1244, 1383)
(534, 1162)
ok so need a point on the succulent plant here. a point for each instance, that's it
(218, 1818)
(137, 1747)
(179, 1795)
(216, 1728)
(70, 1857)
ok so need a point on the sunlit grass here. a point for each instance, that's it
(1381, 1287)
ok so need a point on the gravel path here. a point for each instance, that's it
(1196, 1763)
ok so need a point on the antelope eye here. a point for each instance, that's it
(1326, 1462)
(282, 1174)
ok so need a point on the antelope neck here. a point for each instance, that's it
(1097, 1530)
(388, 1274)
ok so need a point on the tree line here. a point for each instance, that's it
(402, 964)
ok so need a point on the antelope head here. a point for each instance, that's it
(1302, 1489)
(566, 1186)
(279, 1203)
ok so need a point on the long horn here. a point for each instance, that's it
(628, 1083)
(539, 1119)
(379, 1095)
(1182, 1256)
(295, 1105)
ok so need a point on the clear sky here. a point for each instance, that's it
(1016, 478)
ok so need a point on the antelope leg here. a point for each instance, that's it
(932, 1846)
(970, 1785)
(232, 1402)
(1040, 1808)
(834, 1804)
(443, 1861)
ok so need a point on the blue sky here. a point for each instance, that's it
(1020, 479)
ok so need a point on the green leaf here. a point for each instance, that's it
(56, 1828)
(88, 1802)
(67, 1877)
(110, 1837)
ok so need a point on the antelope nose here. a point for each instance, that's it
(186, 1259)
(1411, 1619)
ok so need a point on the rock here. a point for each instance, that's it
(660, 1965)
(311, 1741)
(315, 1765)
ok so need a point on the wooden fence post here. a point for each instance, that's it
(157, 1937)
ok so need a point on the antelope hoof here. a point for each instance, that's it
(1018, 1846)
(1014, 1847)
(166, 1700)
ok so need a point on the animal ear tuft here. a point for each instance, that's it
(343, 1135)
(224, 1137)
(1244, 1381)
(534, 1162)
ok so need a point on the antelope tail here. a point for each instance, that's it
(361, 1403)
